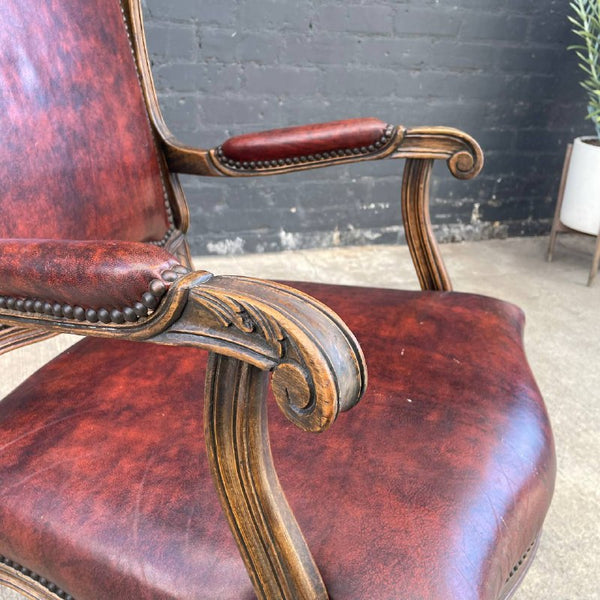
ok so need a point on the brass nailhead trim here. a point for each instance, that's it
(310, 158)
(148, 302)
(520, 562)
(41, 580)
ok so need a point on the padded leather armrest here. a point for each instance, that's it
(306, 146)
(85, 281)
(294, 145)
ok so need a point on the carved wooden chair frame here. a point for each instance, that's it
(252, 328)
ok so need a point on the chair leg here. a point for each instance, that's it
(595, 262)
(556, 225)
(269, 539)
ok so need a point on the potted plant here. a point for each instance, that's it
(581, 200)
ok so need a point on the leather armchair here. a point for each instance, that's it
(113, 484)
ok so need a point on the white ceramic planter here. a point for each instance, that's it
(581, 201)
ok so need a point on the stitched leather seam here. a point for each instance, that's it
(309, 159)
(51, 587)
(157, 288)
(166, 200)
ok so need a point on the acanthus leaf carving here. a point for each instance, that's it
(241, 314)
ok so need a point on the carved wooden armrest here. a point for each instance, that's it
(252, 328)
(318, 371)
(340, 142)
(324, 144)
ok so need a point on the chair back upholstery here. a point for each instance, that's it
(78, 159)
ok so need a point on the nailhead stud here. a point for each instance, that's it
(91, 315)
(157, 287)
(116, 316)
(169, 276)
(103, 315)
(129, 314)
(149, 300)
(180, 270)
(140, 309)
(384, 139)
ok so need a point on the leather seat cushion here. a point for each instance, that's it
(433, 487)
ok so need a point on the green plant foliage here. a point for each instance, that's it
(586, 21)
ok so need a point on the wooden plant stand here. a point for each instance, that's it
(559, 227)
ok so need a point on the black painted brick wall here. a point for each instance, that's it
(495, 68)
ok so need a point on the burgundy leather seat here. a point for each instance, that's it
(106, 489)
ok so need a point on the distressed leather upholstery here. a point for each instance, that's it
(432, 488)
(77, 159)
(81, 273)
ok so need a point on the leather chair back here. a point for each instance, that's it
(78, 159)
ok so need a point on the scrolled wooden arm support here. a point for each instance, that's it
(340, 142)
(251, 327)
(317, 364)
(318, 371)
(420, 148)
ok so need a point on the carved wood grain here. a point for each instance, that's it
(421, 241)
(178, 246)
(236, 430)
(269, 325)
(461, 152)
(12, 338)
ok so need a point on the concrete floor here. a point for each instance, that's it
(563, 344)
